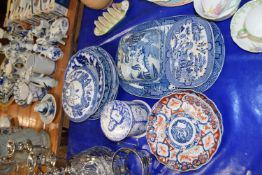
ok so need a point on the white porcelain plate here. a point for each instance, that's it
(237, 24)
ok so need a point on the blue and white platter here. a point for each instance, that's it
(203, 67)
(190, 52)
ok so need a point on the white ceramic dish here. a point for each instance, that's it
(237, 24)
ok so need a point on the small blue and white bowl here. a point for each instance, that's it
(121, 119)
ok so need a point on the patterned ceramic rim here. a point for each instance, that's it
(218, 129)
(112, 85)
(50, 117)
(138, 29)
(17, 86)
(97, 62)
(173, 4)
(211, 52)
(144, 161)
(137, 89)
(149, 109)
(225, 15)
(237, 24)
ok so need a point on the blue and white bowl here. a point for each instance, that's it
(121, 119)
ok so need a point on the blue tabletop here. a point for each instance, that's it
(237, 93)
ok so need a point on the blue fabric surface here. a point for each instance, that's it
(237, 93)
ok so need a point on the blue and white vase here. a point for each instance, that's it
(121, 119)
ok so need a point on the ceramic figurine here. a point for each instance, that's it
(121, 119)
(184, 130)
(52, 52)
(47, 109)
(246, 27)
(6, 89)
(36, 62)
(58, 30)
(40, 80)
(26, 93)
(97, 4)
(111, 18)
(42, 29)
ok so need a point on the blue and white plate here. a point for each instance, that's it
(140, 55)
(190, 53)
(160, 88)
(84, 85)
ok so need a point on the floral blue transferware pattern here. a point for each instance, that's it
(211, 65)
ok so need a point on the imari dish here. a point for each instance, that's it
(216, 10)
(171, 3)
(241, 18)
(159, 57)
(90, 82)
(184, 131)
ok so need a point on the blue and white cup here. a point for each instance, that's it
(121, 119)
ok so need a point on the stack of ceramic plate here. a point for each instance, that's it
(90, 82)
(216, 10)
(161, 56)
(170, 3)
(184, 130)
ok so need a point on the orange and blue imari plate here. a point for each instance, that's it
(184, 130)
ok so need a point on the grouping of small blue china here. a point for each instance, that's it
(86, 89)
(191, 58)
